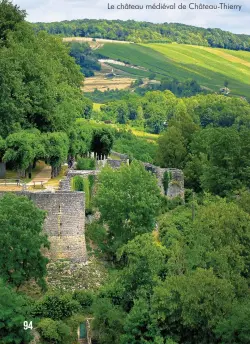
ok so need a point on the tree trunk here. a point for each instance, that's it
(53, 172)
(30, 171)
(21, 173)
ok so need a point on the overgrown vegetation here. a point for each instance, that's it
(86, 164)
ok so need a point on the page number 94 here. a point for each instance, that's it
(27, 325)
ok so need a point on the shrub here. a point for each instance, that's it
(54, 332)
(57, 307)
(78, 184)
(86, 164)
(83, 184)
(85, 298)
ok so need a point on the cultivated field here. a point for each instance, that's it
(209, 66)
(102, 84)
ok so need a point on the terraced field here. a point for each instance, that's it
(209, 66)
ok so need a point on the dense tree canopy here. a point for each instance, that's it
(39, 81)
(85, 58)
(185, 284)
(135, 31)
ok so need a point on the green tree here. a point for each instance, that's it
(102, 142)
(14, 310)
(172, 150)
(108, 321)
(128, 200)
(188, 307)
(57, 148)
(221, 172)
(152, 76)
(22, 149)
(10, 16)
(85, 58)
(129, 290)
(40, 82)
(87, 107)
(80, 138)
(117, 110)
(21, 238)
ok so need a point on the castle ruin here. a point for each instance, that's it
(64, 223)
(65, 220)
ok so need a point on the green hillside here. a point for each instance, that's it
(209, 66)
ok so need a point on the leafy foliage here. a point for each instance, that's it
(21, 239)
(85, 58)
(56, 306)
(128, 200)
(102, 142)
(56, 147)
(40, 82)
(10, 17)
(23, 148)
(86, 164)
(54, 331)
(185, 284)
(135, 147)
(14, 310)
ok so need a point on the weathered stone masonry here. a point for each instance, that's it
(64, 223)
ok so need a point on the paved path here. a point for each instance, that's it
(43, 176)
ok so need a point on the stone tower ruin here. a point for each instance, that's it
(64, 223)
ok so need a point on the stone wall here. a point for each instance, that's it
(176, 184)
(116, 163)
(64, 223)
(175, 187)
(119, 156)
